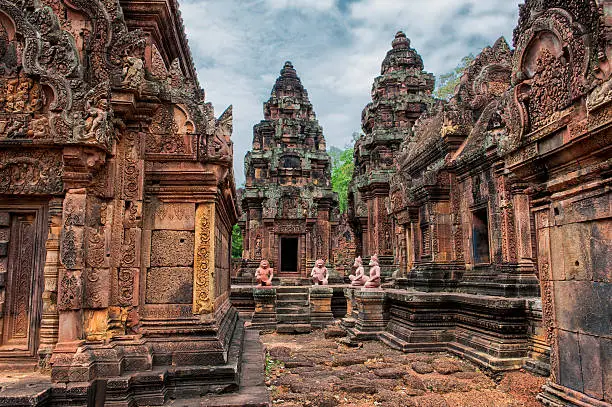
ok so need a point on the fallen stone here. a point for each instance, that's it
(279, 353)
(334, 332)
(347, 360)
(390, 373)
(422, 367)
(446, 367)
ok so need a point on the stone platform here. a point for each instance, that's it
(487, 330)
(240, 381)
(289, 308)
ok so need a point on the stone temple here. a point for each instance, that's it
(490, 214)
(288, 203)
(400, 95)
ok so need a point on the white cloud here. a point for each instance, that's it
(336, 46)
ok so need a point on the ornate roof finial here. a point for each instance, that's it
(400, 41)
(288, 71)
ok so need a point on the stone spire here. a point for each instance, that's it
(288, 182)
(401, 56)
(399, 96)
(289, 98)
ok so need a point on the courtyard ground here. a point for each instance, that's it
(312, 370)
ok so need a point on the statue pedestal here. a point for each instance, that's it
(372, 314)
(351, 309)
(264, 316)
(320, 306)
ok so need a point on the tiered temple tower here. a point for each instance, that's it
(399, 95)
(288, 203)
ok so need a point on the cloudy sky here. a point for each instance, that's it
(336, 46)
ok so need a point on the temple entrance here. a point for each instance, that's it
(21, 247)
(289, 255)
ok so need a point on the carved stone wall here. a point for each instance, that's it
(117, 198)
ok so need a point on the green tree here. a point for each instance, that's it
(342, 172)
(236, 242)
(446, 83)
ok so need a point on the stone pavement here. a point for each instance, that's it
(310, 370)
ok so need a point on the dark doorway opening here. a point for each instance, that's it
(480, 236)
(289, 255)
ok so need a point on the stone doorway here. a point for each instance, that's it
(289, 255)
(21, 262)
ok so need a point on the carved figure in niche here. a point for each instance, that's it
(319, 273)
(97, 116)
(264, 274)
(374, 279)
(11, 94)
(258, 247)
(39, 128)
(133, 71)
(35, 98)
(16, 128)
(359, 278)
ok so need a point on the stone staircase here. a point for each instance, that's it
(292, 310)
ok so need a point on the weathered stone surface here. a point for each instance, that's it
(169, 285)
(170, 248)
(422, 367)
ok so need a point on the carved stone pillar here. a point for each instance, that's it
(70, 296)
(523, 233)
(204, 259)
(49, 324)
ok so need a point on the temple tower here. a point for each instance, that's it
(399, 95)
(288, 203)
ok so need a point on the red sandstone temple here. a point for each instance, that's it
(491, 212)
(288, 203)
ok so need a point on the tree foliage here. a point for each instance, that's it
(342, 172)
(236, 242)
(446, 83)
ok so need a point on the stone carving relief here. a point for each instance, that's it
(203, 297)
(550, 66)
(34, 172)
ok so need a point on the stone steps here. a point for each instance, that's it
(293, 310)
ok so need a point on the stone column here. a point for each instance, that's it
(70, 290)
(49, 324)
(264, 317)
(523, 231)
(320, 306)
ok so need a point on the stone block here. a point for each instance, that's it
(169, 285)
(576, 251)
(569, 361)
(97, 287)
(605, 345)
(590, 361)
(320, 306)
(170, 248)
(583, 306)
(175, 216)
(601, 250)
